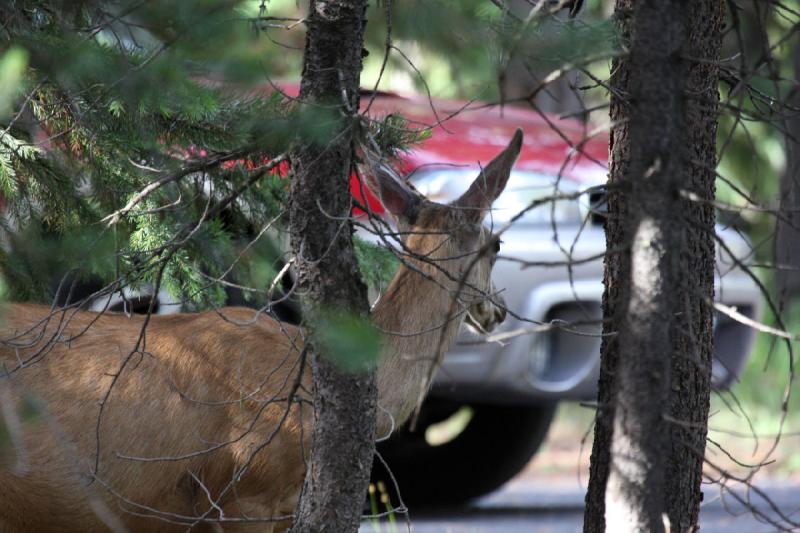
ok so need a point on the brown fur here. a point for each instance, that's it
(151, 413)
(200, 382)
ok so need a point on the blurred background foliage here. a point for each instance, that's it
(100, 98)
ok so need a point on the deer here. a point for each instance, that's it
(208, 420)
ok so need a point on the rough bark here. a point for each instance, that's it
(615, 226)
(654, 385)
(787, 239)
(692, 329)
(344, 402)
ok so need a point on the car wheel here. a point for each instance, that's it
(494, 443)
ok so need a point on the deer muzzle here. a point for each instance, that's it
(485, 315)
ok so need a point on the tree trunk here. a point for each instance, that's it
(787, 238)
(654, 386)
(338, 468)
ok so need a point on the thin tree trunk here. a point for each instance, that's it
(654, 385)
(344, 402)
(692, 328)
(787, 239)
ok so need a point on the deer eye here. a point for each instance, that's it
(497, 243)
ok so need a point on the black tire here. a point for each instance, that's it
(497, 443)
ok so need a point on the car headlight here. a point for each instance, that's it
(523, 189)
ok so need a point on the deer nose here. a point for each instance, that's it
(499, 314)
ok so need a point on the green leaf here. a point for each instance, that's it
(12, 70)
(376, 263)
(350, 341)
(12, 151)
(116, 108)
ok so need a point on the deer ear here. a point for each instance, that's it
(491, 181)
(395, 194)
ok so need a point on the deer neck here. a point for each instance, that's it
(419, 322)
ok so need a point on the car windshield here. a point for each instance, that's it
(523, 189)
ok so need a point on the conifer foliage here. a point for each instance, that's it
(139, 145)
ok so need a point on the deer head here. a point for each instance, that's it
(453, 236)
(445, 278)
